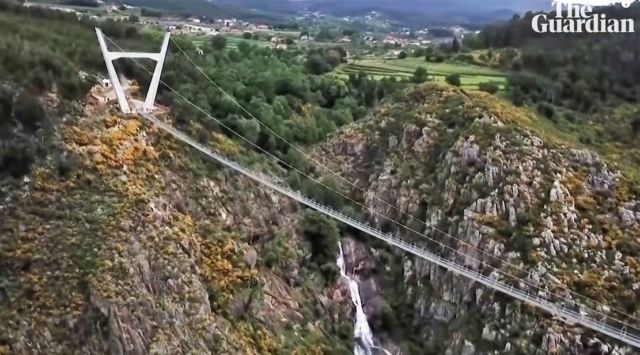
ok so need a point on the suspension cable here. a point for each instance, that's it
(336, 174)
(504, 273)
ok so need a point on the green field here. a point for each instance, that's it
(471, 75)
(232, 41)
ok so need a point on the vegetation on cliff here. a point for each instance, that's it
(493, 176)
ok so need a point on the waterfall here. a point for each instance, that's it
(361, 330)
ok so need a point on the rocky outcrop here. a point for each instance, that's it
(142, 249)
(504, 197)
(361, 265)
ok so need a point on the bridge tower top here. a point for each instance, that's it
(109, 57)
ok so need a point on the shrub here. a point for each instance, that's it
(323, 234)
(517, 96)
(453, 79)
(296, 159)
(467, 58)
(6, 105)
(547, 110)
(330, 271)
(66, 164)
(329, 195)
(16, 161)
(521, 243)
(635, 125)
(402, 55)
(278, 255)
(489, 87)
(438, 58)
(420, 75)
(389, 320)
(29, 112)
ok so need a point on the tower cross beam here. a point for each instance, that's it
(109, 57)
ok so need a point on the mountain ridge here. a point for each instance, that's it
(452, 11)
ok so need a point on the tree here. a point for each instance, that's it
(234, 56)
(244, 48)
(325, 34)
(420, 75)
(473, 41)
(453, 79)
(456, 46)
(150, 13)
(316, 64)
(249, 128)
(419, 52)
(402, 55)
(219, 42)
(247, 35)
(335, 56)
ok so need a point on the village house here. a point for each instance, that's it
(198, 29)
(229, 22)
(391, 40)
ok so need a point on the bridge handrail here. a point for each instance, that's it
(526, 296)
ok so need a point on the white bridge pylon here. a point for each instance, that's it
(109, 57)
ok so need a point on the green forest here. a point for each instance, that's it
(579, 72)
(287, 91)
(585, 85)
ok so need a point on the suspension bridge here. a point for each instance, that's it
(561, 307)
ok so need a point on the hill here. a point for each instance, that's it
(474, 172)
(409, 12)
(115, 239)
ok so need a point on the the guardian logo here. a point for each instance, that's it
(575, 18)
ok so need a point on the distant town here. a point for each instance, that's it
(375, 31)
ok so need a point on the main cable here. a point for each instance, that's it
(334, 173)
(504, 273)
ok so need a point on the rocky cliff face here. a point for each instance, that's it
(136, 245)
(466, 165)
(128, 243)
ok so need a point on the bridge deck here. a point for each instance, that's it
(586, 318)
